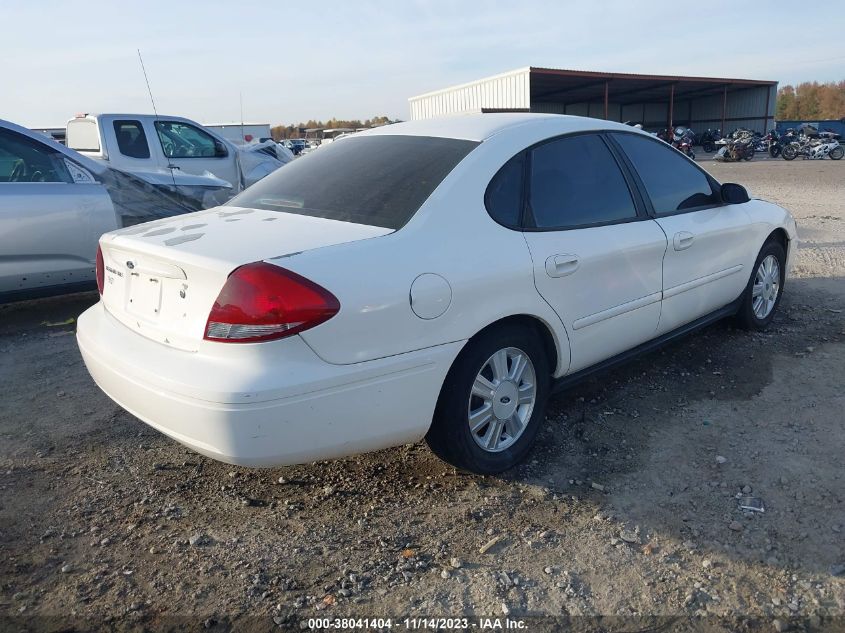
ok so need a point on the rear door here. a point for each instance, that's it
(597, 255)
(51, 214)
(704, 268)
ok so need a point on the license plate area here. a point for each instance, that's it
(144, 297)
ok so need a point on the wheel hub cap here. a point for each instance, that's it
(505, 399)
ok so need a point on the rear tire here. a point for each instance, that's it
(788, 153)
(493, 431)
(761, 297)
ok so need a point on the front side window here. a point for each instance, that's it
(673, 183)
(375, 180)
(131, 140)
(575, 181)
(23, 159)
(183, 140)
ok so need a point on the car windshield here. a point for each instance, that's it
(374, 180)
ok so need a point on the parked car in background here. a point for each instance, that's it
(171, 151)
(296, 145)
(277, 150)
(431, 279)
(54, 205)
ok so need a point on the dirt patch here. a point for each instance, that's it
(628, 507)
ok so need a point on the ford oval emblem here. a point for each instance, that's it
(130, 265)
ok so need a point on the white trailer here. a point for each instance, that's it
(242, 134)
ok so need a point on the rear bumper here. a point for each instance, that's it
(265, 404)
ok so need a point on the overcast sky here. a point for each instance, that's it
(298, 60)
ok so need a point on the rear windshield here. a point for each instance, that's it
(374, 180)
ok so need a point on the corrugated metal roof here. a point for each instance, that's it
(604, 75)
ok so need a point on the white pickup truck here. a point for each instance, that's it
(173, 152)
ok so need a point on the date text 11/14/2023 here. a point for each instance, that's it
(415, 624)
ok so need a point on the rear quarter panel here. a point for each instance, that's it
(488, 268)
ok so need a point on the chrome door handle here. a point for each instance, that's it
(682, 240)
(561, 265)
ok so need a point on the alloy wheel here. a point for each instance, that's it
(764, 293)
(502, 399)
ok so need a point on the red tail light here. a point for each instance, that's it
(261, 302)
(100, 269)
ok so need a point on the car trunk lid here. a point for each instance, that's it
(162, 277)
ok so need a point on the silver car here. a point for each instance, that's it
(54, 206)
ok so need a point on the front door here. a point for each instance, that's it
(706, 259)
(192, 150)
(597, 257)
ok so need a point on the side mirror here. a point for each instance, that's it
(220, 150)
(733, 193)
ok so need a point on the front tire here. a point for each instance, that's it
(765, 288)
(492, 401)
(789, 152)
(837, 152)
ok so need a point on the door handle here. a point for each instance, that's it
(561, 265)
(682, 240)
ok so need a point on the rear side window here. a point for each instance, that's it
(673, 183)
(374, 180)
(575, 181)
(83, 135)
(131, 140)
(504, 195)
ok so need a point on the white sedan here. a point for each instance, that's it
(431, 279)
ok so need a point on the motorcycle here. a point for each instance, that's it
(665, 135)
(735, 150)
(682, 140)
(812, 149)
(708, 140)
(773, 139)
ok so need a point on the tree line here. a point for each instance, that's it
(297, 131)
(811, 100)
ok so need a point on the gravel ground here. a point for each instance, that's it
(628, 507)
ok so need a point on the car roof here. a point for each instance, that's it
(109, 116)
(479, 127)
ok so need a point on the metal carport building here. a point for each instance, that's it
(656, 101)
